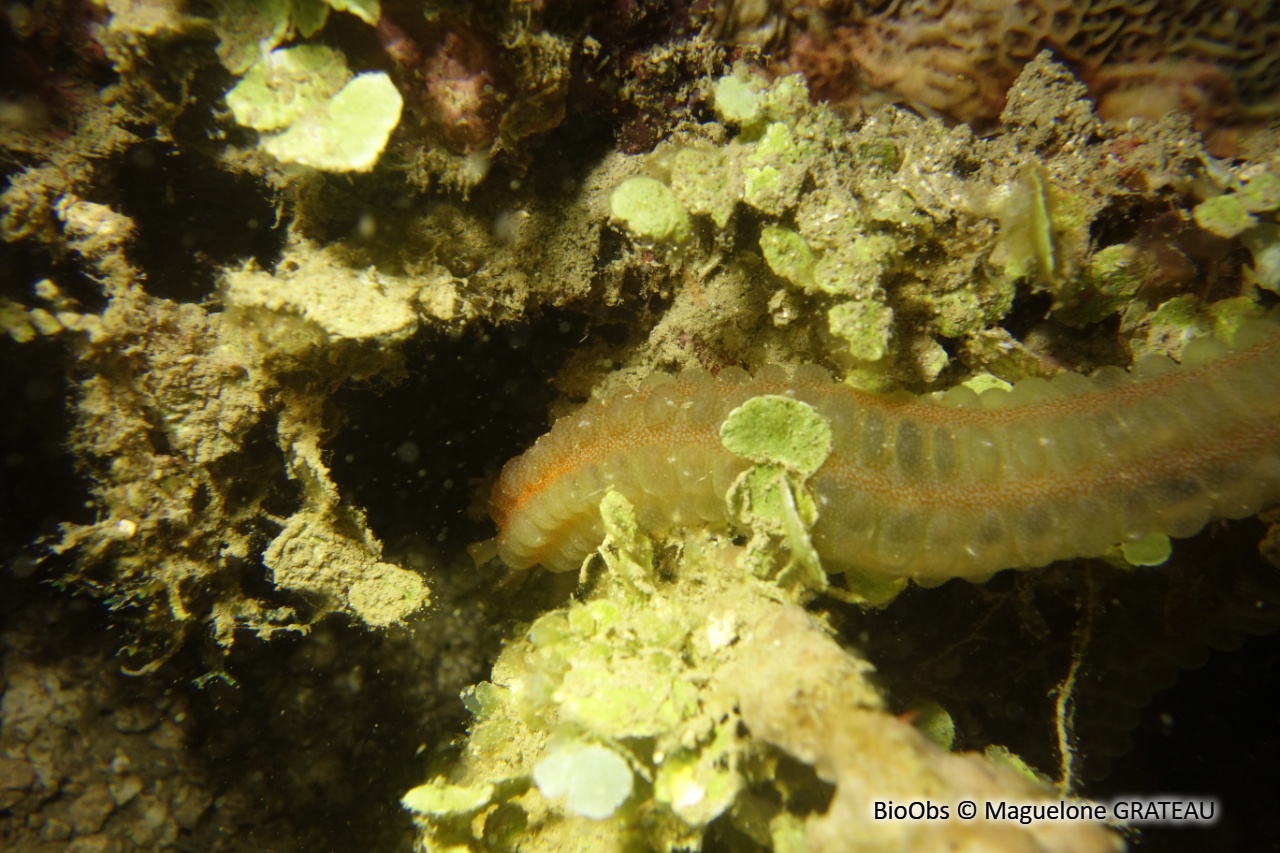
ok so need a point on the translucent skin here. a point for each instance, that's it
(928, 489)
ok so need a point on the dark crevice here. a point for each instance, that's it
(417, 457)
(24, 264)
(39, 487)
(193, 219)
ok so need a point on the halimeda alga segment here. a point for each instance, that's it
(313, 112)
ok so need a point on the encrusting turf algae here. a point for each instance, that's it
(929, 489)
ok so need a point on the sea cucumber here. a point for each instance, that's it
(930, 489)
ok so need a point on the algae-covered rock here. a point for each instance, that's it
(343, 305)
(707, 182)
(765, 680)
(865, 324)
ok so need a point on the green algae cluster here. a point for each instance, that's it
(781, 143)
(687, 711)
(787, 441)
(249, 28)
(599, 722)
(1250, 211)
(303, 99)
(313, 112)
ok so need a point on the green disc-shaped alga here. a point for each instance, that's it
(788, 255)
(346, 134)
(593, 779)
(286, 84)
(740, 99)
(777, 429)
(1154, 549)
(1224, 215)
(651, 211)
(865, 324)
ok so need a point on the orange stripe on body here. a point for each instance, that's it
(889, 508)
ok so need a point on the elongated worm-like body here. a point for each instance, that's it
(925, 488)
